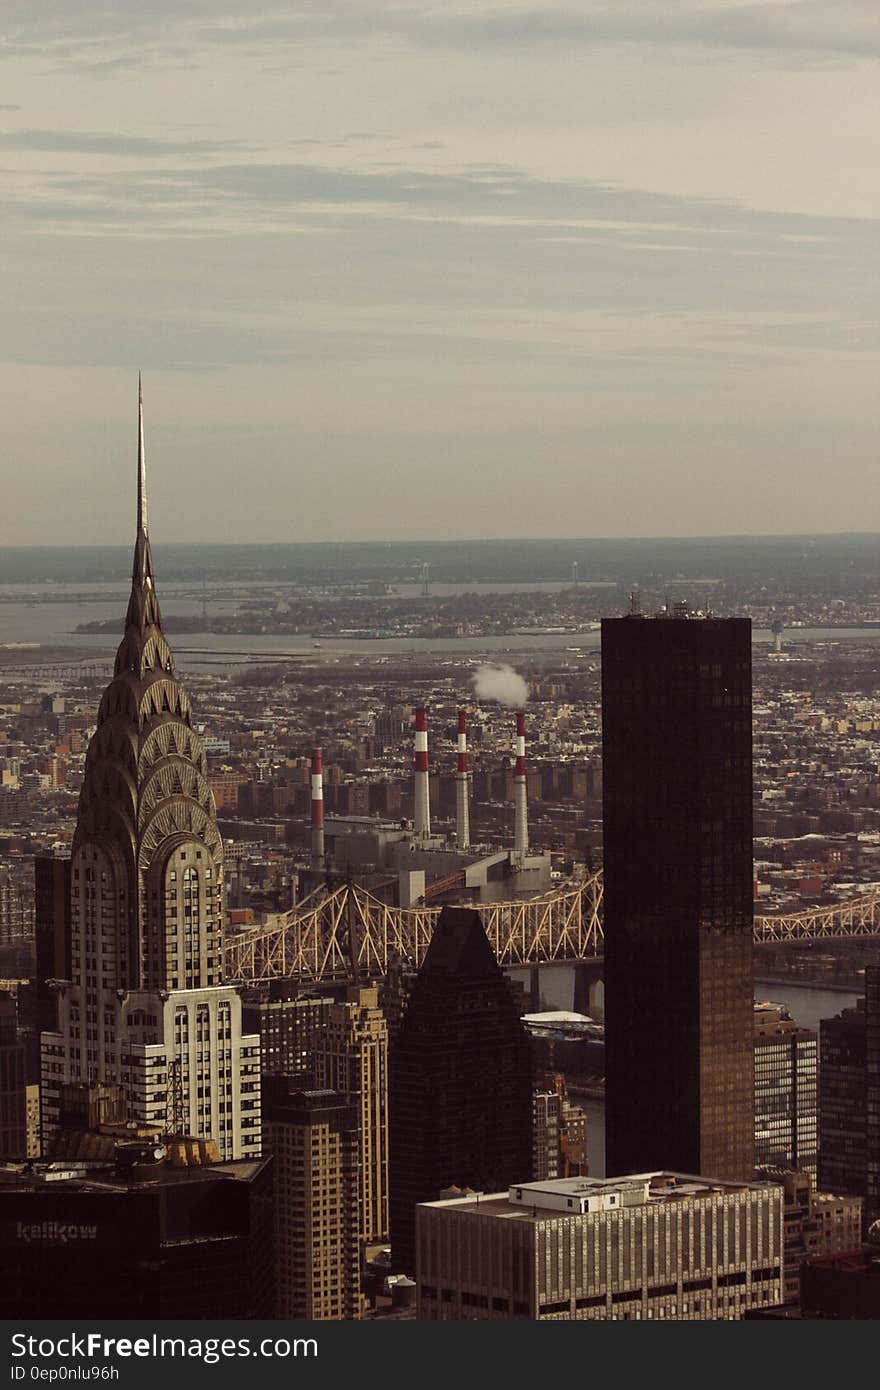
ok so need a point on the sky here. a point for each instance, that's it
(411, 270)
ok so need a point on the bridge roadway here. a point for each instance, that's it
(349, 934)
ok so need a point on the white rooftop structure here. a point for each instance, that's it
(582, 1195)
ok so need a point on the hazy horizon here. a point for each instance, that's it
(413, 272)
(459, 540)
(839, 562)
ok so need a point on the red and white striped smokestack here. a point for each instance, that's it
(317, 810)
(462, 809)
(521, 815)
(422, 799)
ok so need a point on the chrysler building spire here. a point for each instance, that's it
(142, 571)
(146, 1005)
(143, 646)
(142, 466)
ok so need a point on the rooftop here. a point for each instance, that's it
(580, 1196)
(105, 1176)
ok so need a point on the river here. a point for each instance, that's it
(53, 623)
(807, 1006)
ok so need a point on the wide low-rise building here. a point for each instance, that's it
(139, 1228)
(648, 1246)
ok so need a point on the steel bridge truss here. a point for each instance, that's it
(853, 917)
(349, 934)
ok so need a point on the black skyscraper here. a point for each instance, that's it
(53, 932)
(677, 817)
(460, 1080)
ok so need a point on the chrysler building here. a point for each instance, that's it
(146, 1010)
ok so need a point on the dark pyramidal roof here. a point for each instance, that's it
(459, 946)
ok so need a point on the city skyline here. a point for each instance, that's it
(455, 1062)
(387, 257)
(570, 1007)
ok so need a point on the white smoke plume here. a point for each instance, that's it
(500, 683)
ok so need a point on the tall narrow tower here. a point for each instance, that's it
(352, 1058)
(461, 1079)
(677, 821)
(422, 795)
(145, 1012)
(462, 808)
(521, 814)
(317, 810)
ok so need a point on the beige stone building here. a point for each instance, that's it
(313, 1137)
(352, 1058)
(650, 1246)
(816, 1223)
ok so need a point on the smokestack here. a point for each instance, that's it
(422, 806)
(521, 815)
(317, 810)
(462, 810)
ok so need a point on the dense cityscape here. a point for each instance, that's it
(341, 982)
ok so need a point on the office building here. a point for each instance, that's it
(290, 1030)
(872, 1095)
(648, 1246)
(786, 1100)
(843, 1158)
(13, 918)
(461, 1087)
(145, 1007)
(132, 1235)
(353, 1060)
(677, 825)
(53, 932)
(313, 1137)
(816, 1223)
(13, 1084)
(559, 1133)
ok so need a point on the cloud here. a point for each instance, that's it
(807, 27)
(438, 216)
(849, 27)
(107, 143)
